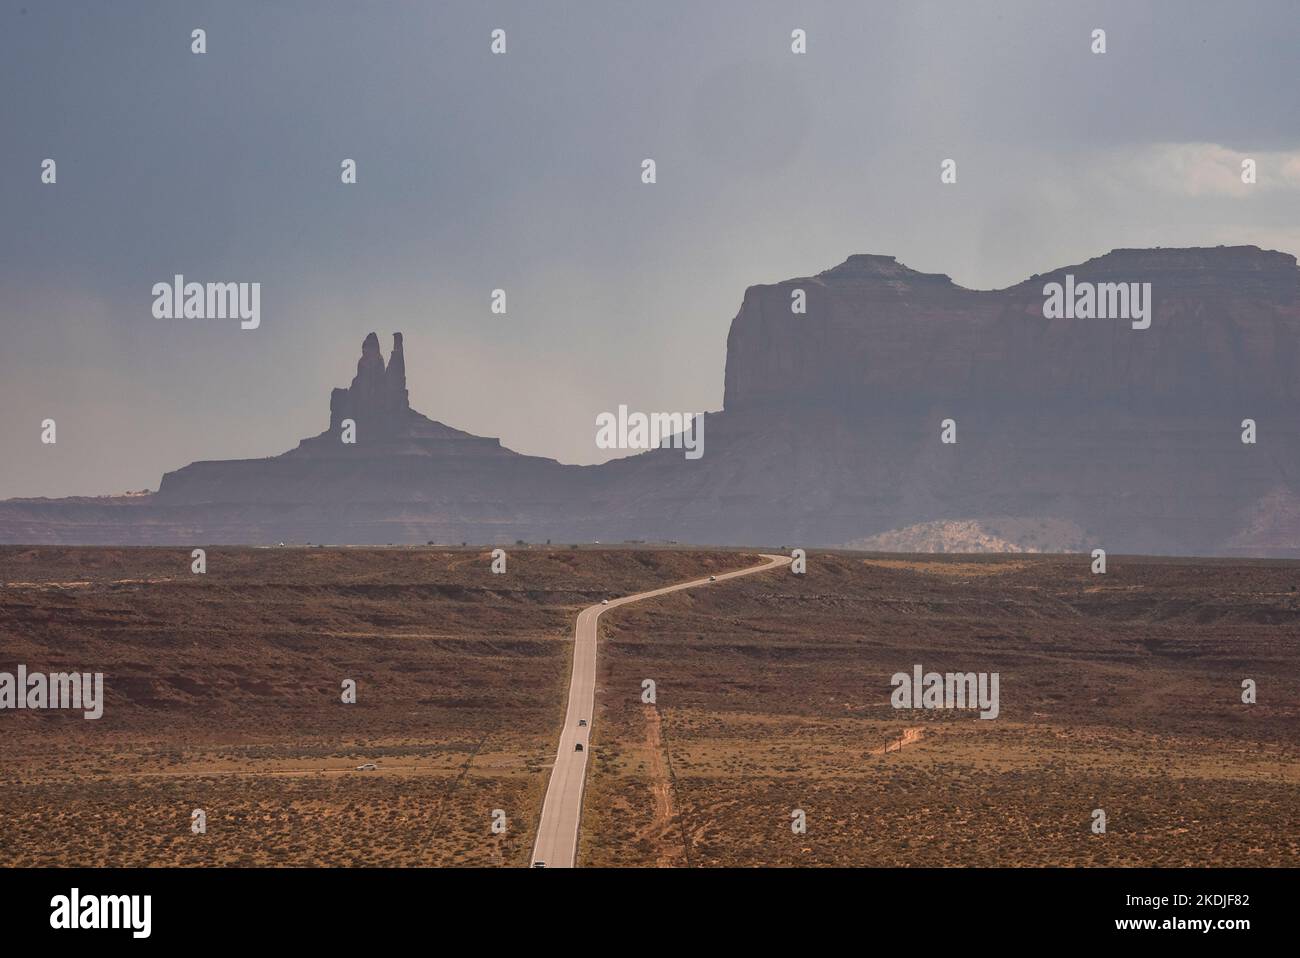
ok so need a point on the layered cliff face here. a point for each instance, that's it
(1073, 431)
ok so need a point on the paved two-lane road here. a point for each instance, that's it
(557, 834)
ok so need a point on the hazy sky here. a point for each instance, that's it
(522, 172)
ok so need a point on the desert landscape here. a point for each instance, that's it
(223, 692)
(1119, 692)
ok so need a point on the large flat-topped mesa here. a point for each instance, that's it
(879, 335)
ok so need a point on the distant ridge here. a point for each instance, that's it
(1069, 432)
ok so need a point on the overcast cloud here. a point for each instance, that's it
(523, 172)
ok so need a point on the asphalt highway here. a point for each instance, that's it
(557, 833)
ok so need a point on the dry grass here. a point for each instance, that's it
(957, 570)
(223, 693)
(1119, 692)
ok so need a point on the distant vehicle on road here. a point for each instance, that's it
(578, 747)
(368, 767)
(713, 578)
(581, 722)
(604, 601)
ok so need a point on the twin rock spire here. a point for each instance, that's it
(377, 400)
